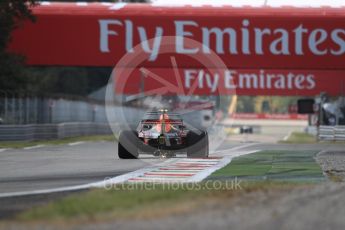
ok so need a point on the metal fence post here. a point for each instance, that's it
(35, 110)
(27, 110)
(20, 109)
(5, 105)
(13, 107)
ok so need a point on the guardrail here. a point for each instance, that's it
(339, 133)
(52, 131)
(331, 133)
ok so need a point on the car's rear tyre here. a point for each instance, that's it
(198, 146)
(128, 145)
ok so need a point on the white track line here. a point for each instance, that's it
(233, 151)
(3, 150)
(76, 143)
(44, 191)
(287, 136)
(33, 147)
(114, 180)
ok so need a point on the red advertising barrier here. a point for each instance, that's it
(243, 37)
(269, 116)
(229, 81)
(261, 50)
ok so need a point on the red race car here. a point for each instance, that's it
(162, 133)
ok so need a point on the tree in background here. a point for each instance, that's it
(79, 81)
(15, 76)
(245, 104)
(273, 104)
(12, 12)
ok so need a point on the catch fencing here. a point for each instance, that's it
(43, 110)
(37, 118)
(34, 132)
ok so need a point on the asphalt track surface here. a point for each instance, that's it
(51, 167)
(63, 165)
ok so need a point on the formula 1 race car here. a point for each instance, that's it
(162, 133)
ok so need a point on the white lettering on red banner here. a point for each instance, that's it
(280, 41)
(233, 81)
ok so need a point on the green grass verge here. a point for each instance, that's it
(115, 203)
(273, 165)
(22, 144)
(266, 170)
(300, 138)
(127, 203)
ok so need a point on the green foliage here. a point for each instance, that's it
(79, 81)
(264, 104)
(53, 80)
(12, 12)
(11, 72)
(276, 104)
(14, 76)
(245, 104)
